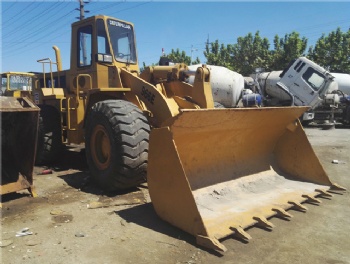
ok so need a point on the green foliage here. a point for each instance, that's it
(287, 49)
(250, 52)
(253, 51)
(217, 54)
(178, 56)
(332, 51)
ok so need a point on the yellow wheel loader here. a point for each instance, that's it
(211, 172)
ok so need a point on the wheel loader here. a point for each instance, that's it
(210, 172)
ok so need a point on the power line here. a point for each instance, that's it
(9, 7)
(29, 23)
(107, 7)
(19, 46)
(144, 3)
(41, 30)
(15, 16)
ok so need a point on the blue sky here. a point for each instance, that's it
(29, 29)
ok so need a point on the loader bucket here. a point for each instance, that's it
(19, 126)
(213, 173)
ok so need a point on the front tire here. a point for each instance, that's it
(49, 143)
(116, 143)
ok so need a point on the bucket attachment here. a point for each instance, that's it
(214, 173)
(19, 126)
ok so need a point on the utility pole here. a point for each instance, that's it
(192, 50)
(207, 42)
(81, 9)
(83, 37)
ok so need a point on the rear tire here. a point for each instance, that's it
(49, 143)
(116, 143)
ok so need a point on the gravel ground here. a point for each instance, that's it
(72, 221)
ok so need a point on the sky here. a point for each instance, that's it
(29, 29)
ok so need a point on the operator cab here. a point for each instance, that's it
(100, 44)
(113, 43)
(16, 83)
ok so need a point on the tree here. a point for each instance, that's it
(287, 49)
(178, 56)
(218, 54)
(332, 51)
(250, 52)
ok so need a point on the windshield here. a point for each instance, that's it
(122, 40)
(16, 82)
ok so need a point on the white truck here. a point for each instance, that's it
(334, 106)
(302, 83)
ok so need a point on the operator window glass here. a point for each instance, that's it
(301, 66)
(3, 83)
(298, 64)
(19, 82)
(84, 46)
(102, 41)
(122, 40)
(314, 78)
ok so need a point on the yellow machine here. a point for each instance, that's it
(19, 126)
(211, 172)
(17, 84)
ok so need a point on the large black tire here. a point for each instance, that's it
(116, 144)
(49, 144)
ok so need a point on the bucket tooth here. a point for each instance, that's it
(337, 187)
(239, 232)
(281, 212)
(211, 243)
(311, 199)
(298, 206)
(324, 193)
(263, 222)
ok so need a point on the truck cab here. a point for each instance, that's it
(305, 82)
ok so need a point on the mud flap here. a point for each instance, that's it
(213, 173)
(19, 126)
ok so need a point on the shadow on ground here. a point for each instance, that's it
(144, 215)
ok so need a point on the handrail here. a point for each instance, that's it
(49, 61)
(82, 75)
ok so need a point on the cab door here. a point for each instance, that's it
(303, 82)
(307, 85)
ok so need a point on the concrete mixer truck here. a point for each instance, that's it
(336, 106)
(332, 106)
(302, 83)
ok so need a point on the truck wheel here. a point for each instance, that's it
(49, 144)
(116, 143)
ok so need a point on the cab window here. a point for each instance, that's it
(314, 78)
(84, 46)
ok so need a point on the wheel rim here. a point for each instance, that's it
(101, 147)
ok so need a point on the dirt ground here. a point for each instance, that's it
(72, 221)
